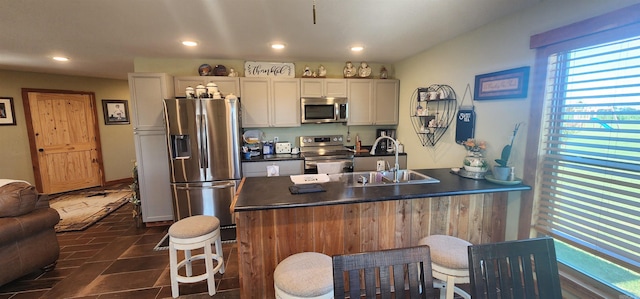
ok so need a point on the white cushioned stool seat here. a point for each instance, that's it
(195, 232)
(304, 275)
(450, 263)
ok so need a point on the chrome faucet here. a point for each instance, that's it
(396, 168)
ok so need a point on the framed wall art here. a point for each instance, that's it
(509, 84)
(116, 112)
(7, 112)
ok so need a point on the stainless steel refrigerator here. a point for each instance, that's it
(204, 155)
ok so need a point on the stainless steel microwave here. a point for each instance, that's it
(324, 110)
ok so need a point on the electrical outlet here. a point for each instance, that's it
(380, 165)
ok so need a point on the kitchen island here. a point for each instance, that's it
(272, 224)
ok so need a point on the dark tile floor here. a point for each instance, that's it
(114, 259)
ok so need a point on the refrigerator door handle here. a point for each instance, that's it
(205, 141)
(221, 186)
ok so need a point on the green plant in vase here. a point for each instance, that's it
(501, 171)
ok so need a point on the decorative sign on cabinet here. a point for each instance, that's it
(269, 69)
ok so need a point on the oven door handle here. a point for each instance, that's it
(347, 165)
(315, 163)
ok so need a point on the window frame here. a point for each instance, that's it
(607, 27)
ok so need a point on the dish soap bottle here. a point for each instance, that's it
(400, 147)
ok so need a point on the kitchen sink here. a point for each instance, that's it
(382, 178)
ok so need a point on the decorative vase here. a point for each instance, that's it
(475, 162)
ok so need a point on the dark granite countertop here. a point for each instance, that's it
(284, 157)
(263, 193)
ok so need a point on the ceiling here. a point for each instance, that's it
(103, 37)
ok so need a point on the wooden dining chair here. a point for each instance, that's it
(401, 273)
(514, 269)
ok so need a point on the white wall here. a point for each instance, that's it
(500, 45)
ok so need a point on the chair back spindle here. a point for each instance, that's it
(394, 273)
(515, 269)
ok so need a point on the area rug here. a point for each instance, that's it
(227, 233)
(80, 210)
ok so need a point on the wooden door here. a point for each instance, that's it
(64, 140)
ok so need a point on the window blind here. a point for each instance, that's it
(590, 174)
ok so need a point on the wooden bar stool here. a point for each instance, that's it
(195, 232)
(306, 275)
(450, 264)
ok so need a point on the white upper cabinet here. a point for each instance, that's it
(226, 85)
(148, 90)
(373, 101)
(360, 97)
(318, 87)
(285, 102)
(386, 102)
(270, 102)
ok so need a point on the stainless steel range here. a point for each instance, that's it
(325, 148)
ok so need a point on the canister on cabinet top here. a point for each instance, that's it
(190, 92)
(267, 148)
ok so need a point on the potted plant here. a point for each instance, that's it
(501, 171)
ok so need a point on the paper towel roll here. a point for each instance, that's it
(330, 167)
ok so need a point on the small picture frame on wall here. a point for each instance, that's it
(7, 112)
(508, 84)
(116, 112)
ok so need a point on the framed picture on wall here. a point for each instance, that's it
(508, 84)
(7, 113)
(116, 112)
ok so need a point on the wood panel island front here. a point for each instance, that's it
(272, 223)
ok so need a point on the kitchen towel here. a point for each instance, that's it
(330, 167)
(273, 170)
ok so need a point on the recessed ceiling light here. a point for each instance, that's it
(60, 58)
(190, 43)
(277, 46)
(357, 49)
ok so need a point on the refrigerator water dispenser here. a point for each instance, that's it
(180, 147)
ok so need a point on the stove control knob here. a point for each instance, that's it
(340, 139)
(335, 138)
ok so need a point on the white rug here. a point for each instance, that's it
(80, 210)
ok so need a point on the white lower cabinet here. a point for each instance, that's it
(369, 163)
(289, 167)
(153, 176)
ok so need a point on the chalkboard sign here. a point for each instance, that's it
(465, 124)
